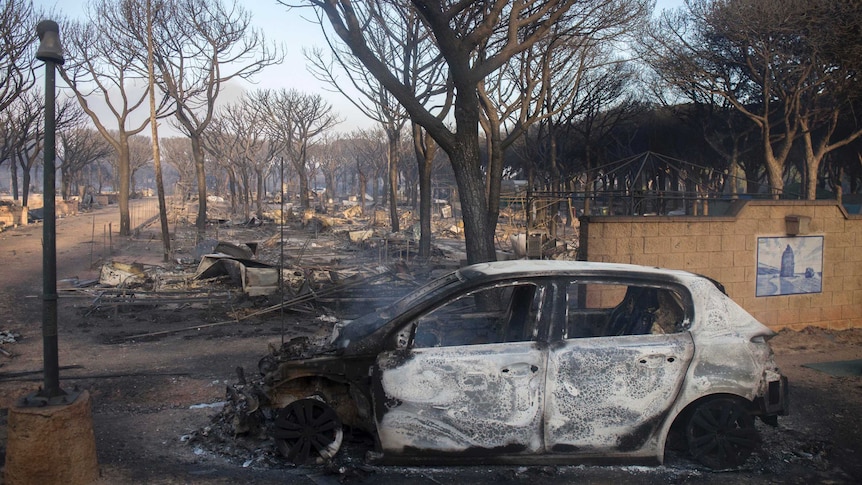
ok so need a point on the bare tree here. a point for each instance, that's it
(377, 104)
(79, 147)
(26, 122)
(834, 36)
(403, 43)
(140, 155)
(22, 137)
(295, 120)
(331, 156)
(154, 130)
(237, 139)
(8, 135)
(536, 85)
(11, 143)
(104, 63)
(177, 152)
(543, 82)
(16, 74)
(729, 133)
(475, 39)
(603, 101)
(200, 45)
(367, 147)
(425, 150)
(770, 61)
(222, 142)
(16, 57)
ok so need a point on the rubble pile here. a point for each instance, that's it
(282, 259)
(7, 337)
(250, 270)
(239, 433)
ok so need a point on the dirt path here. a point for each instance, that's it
(151, 394)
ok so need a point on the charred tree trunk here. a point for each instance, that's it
(25, 192)
(13, 174)
(495, 177)
(261, 192)
(424, 157)
(393, 137)
(474, 206)
(125, 179)
(304, 200)
(200, 175)
(363, 188)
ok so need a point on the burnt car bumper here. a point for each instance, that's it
(776, 399)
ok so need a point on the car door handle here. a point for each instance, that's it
(520, 369)
(655, 360)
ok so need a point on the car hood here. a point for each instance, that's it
(346, 332)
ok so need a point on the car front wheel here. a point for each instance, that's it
(721, 433)
(307, 431)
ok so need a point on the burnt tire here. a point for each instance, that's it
(721, 433)
(307, 431)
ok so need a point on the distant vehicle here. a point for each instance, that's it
(535, 361)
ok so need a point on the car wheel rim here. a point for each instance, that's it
(721, 434)
(307, 431)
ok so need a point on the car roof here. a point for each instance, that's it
(481, 273)
(528, 267)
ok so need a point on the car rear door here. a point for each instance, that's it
(608, 390)
(472, 379)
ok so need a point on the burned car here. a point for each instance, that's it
(534, 361)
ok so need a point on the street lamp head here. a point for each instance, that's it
(50, 48)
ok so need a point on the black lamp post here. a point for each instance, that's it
(51, 52)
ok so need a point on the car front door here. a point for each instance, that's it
(471, 380)
(614, 369)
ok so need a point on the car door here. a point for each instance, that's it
(611, 381)
(471, 379)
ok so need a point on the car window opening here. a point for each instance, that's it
(497, 314)
(598, 310)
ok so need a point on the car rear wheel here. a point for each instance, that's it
(721, 433)
(307, 431)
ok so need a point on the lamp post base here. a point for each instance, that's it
(42, 398)
(52, 443)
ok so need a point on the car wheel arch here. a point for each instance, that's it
(675, 434)
(349, 402)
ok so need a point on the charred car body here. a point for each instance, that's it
(534, 361)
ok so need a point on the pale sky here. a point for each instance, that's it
(296, 32)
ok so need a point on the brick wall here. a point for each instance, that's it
(725, 248)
